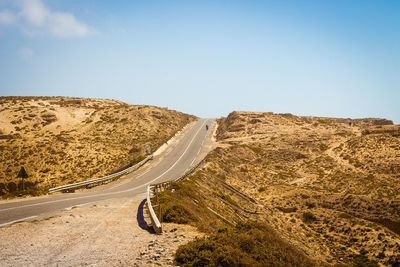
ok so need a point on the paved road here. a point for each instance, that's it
(173, 165)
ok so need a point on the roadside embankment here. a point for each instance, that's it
(321, 184)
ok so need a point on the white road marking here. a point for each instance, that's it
(184, 152)
(121, 184)
(19, 220)
(112, 193)
(118, 185)
(198, 152)
(79, 205)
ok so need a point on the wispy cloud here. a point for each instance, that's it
(35, 17)
(6, 17)
(25, 52)
(66, 25)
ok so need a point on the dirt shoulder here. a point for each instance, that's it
(113, 233)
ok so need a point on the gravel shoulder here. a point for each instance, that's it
(113, 233)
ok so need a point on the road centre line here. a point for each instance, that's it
(137, 177)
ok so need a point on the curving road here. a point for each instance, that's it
(172, 165)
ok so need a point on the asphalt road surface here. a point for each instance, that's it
(172, 166)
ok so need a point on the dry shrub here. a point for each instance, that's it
(308, 217)
(182, 204)
(246, 244)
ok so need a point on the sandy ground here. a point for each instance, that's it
(113, 233)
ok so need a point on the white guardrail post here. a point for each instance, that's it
(154, 220)
(101, 179)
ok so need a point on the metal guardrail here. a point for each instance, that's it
(190, 171)
(160, 187)
(157, 226)
(101, 179)
(155, 222)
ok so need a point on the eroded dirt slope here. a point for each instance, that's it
(62, 140)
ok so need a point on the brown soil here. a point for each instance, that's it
(62, 140)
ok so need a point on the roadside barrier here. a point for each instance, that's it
(101, 179)
(152, 191)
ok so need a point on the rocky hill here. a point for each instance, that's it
(328, 187)
(60, 140)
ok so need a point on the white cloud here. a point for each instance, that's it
(66, 25)
(37, 18)
(6, 17)
(25, 52)
(34, 12)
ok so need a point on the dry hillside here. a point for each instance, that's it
(62, 140)
(329, 187)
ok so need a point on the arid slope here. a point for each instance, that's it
(62, 140)
(329, 187)
(333, 184)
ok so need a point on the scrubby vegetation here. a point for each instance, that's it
(246, 244)
(62, 140)
(328, 182)
(183, 203)
(328, 186)
(235, 238)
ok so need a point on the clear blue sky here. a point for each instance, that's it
(338, 58)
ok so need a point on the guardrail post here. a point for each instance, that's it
(159, 212)
(154, 220)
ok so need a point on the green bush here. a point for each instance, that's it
(308, 217)
(183, 203)
(262, 189)
(257, 150)
(370, 177)
(174, 208)
(175, 213)
(247, 244)
(363, 261)
(139, 159)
